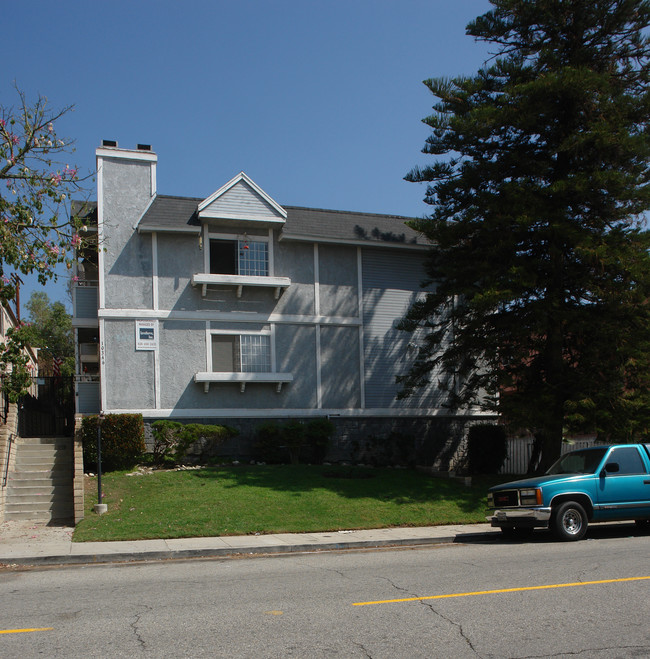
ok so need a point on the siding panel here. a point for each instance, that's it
(241, 201)
(391, 283)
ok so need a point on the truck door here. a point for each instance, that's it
(624, 493)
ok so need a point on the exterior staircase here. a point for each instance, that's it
(40, 487)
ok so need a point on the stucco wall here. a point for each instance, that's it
(179, 257)
(126, 255)
(128, 374)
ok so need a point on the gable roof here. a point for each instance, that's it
(242, 199)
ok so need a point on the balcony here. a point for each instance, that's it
(239, 282)
(242, 379)
(85, 300)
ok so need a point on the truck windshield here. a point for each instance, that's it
(585, 461)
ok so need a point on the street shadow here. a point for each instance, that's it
(600, 531)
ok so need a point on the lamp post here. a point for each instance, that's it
(100, 507)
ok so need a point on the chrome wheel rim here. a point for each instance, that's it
(572, 522)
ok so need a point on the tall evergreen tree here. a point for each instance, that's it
(540, 274)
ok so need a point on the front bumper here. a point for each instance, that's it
(521, 518)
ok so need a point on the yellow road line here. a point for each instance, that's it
(503, 590)
(24, 631)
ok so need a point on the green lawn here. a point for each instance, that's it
(243, 500)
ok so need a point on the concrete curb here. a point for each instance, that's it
(225, 552)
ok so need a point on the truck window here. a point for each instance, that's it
(628, 459)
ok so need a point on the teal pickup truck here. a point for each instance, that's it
(596, 484)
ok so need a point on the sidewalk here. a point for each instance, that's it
(29, 543)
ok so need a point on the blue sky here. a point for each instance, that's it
(319, 101)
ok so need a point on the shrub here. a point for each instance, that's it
(487, 448)
(122, 441)
(292, 436)
(318, 433)
(171, 439)
(266, 447)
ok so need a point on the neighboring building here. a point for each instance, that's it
(9, 318)
(235, 309)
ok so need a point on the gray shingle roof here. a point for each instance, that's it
(168, 213)
(171, 214)
(347, 226)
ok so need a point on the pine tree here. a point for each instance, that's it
(540, 274)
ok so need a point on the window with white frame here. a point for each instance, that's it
(241, 353)
(239, 257)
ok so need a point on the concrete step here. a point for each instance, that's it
(40, 516)
(39, 507)
(40, 473)
(31, 487)
(42, 449)
(39, 464)
(35, 500)
(40, 487)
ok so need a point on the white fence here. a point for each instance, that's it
(521, 448)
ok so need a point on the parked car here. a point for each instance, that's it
(596, 484)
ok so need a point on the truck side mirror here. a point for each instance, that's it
(612, 467)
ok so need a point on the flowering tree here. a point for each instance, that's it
(37, 232)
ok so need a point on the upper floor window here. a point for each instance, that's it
(239, 257)
(241, 353)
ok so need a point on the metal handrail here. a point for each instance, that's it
(6, 474)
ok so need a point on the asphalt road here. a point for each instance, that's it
(498, 599)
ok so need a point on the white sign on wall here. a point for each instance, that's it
(146, 335)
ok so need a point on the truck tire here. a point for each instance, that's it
(569, 521)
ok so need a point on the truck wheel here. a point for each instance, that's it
(569, 521)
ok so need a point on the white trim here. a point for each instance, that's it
(278, 379)
(223, 332)
(236, 237)
(316, 281)
(260, 281)
(154, 270)
(319, 373)
(153, 178)
(156, 377)
(233, 181)
(362, 347)
(270, 253)
(102, 366)
(352, 243)
(226, 317)
(271, 332)
(191, 231)
(206, 248)
(125, 154)
(100, 232)
(208, 343)
(281, 413)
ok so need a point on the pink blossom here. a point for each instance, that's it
(56, 179)
(14, 139)
(75, 278)
(76, 240)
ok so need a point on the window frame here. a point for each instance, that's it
(240, 334)
(237, 239)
